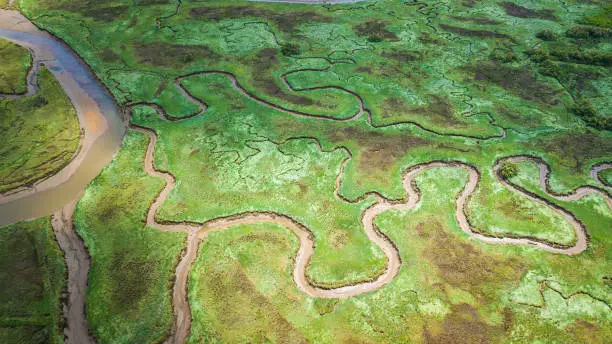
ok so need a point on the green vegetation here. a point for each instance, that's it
(32, 272)
(464, 81)
(508, 170)
(602, 17)
(606, 176)
(547, 35)
(290, 49)
(585, 110)
(16, 62)
(589, 32)
(44, 132)
(450, 288)
(128, 296)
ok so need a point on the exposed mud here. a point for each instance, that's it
(77, 261)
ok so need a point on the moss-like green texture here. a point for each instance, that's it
(128, 296)
(33, 274)
(41, 134)
(468, 81)
(16, 62)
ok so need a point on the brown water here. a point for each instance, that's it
(98, 114)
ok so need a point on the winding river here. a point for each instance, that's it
(103, 129)
(99, 117)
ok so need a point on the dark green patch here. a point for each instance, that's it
(107, 14)
(519, 81)
(377, 29)
(285, 21)
(133, 275)
(473, 33)
(589, 32)
(172, 55)
(265, 61)
(477, 20)
(519, 11)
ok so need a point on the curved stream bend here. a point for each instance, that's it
(99, 118)
(577, 193)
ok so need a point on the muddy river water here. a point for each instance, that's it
(100, 120)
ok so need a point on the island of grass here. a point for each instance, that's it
(32, 272)
(44, 135)
(16, 62)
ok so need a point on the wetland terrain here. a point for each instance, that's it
(387, 171)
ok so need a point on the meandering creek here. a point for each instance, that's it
(103, 129)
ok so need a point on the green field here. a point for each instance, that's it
(30, 305)
(43, 135)
(15, 65)
(316, 112)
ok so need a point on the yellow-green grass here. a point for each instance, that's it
(451, 68)
(130, 279)
(33, 274)
(16, 61)
(41, 135)
(450, 289)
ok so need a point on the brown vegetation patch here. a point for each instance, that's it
(515, 116)
(241, 311)
(438, 110)
(285, 21)
(107, 14)
(366, 70)
(375, 28)
(379, 151)
(131, 276)
(518, 81)
(339, 239)
(463, 325)
(586, 332)
(108, 55)
(465, 266)
(477, 20)
(403, 56)
(172, 55)
(469, 3)
(155, 2)
(519, 11)
(264, 62)
(474, 33)
(267, 237)
(575, 150)
(426, 38)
